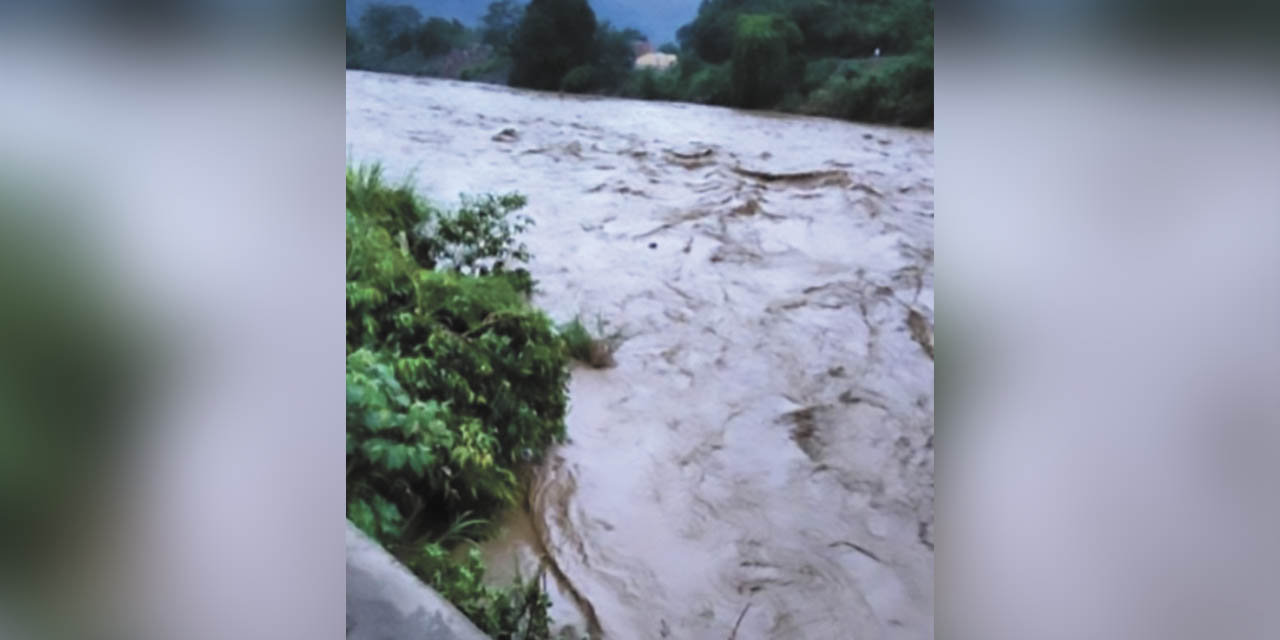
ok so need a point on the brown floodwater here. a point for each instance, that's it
(760, 459)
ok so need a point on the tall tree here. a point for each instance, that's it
(614, 56)
(554, 37)
(499, 23)
(438, 36)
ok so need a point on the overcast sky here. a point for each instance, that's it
(658, 19)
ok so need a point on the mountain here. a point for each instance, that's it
(658, 19)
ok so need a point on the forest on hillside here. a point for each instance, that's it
(862, 60)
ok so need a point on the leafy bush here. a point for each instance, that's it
(453, 381)
(494, 70)
(438, 36)
(818, 72)
(577, 339)
(651, 84)
(911, 85)
(520, 611)
(896, 90)
(594, 349)
(479, 238)
(711, 85)
(580, 79)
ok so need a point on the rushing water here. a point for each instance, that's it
(760, 459)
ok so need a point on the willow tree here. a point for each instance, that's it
(759, 66)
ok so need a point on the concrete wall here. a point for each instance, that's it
(386, 602)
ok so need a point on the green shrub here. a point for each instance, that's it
(519, 611)
(711, 85)
(453, 382)
(651, 84)
(580, 79)
(478, 238)
(577, 340)
(897, 90)
(438, 36)
(817, 72)
(912, 86)
(493, 70)
(594, 349)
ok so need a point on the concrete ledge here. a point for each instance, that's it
(386, 602)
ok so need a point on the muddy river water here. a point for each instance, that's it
(759, 462)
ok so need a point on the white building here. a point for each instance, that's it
(656, 60)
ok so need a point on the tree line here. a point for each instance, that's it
(864, 60)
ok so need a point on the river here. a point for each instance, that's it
(759, 461)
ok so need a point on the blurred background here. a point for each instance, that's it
(1107, 275)
(171, 328)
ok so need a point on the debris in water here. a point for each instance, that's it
(691, 159)
(653, 245)
(737, 624)
(921, 332)
(819, 177)
(507, 135)
(600, 355)
(691, 154)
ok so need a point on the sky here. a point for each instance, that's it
(658, 19)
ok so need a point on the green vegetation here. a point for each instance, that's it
(453, 382)
(898, 89)
(809, 56)
(577, 339)
(396, 39)
(519, 611)
(499, 24)
(594, 349)
(812, 56)
(758, 71)
(554, 39)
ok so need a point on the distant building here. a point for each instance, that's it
(656, 60)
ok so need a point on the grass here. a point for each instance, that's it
(594, 349)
